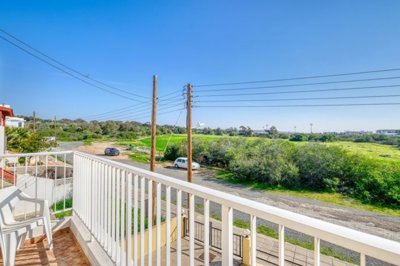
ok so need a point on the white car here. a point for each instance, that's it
(181, 162)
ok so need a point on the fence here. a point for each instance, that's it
(214, 236)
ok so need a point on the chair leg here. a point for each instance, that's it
(11, 249)
(21, 240)
(48, 229)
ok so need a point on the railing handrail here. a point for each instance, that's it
(12, 155)
(374, 246)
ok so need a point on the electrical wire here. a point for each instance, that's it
(295, 105)
(146, 116)
(303, 99)
(300, 84)
(298, 78)
(297, 91)
(170, 136)
(77, 73)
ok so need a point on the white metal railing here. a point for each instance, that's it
(105, 191)
(45, 175)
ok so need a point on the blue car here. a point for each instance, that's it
(111, 152)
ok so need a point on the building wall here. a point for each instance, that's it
(15, 122)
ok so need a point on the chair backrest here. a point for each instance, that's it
(8, 199)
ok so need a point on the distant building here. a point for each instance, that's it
(12, 121)
(352, 133)
(392, 132)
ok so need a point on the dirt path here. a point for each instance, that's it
(365, 221)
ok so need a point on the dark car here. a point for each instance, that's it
(111, 152)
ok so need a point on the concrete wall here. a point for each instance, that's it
(43, 190)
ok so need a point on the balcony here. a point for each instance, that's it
(108, 220)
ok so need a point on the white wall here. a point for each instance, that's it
(2, 140)
(43, 190)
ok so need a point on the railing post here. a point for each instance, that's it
(227, 236)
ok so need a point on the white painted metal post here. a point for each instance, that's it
(168, 229)
(281, 245)
(317, 256)
(206, 232)
(150, 220)
(179, 227)
(191, 230)
(227, 236)
(158, 227)
(142, 214)
(135, 219)
(129, 220)
(253, 240)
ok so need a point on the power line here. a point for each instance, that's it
(295, 105)
(180, 91)
(301, 84)
(148, 116)
(297, 91)
(138, 112)
(302, 99)
(116, 110)
(298, 78)
(83, 76)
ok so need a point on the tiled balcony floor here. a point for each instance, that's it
(66, 251)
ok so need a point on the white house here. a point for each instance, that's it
(12, 121)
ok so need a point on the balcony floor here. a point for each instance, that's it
(66, 251)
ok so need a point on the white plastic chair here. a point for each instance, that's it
(12, 232)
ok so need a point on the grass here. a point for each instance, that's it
(264, 230)
(59, 205)
(326, 197)
(140, 157)
(370, 150)
(162, 140)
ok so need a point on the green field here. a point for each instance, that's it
(371, 150)
(163, 140)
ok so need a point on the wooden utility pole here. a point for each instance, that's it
(189, 138)
(34, 122)
(189, 133)
(153, 142)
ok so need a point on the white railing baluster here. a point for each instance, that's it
(158, 226)
(109, 211)
(362, 259)
(129, 220)
(227, 235)
(206, 232)
(253, 240)
(179, 227)
(135, 219)
(113, 214)
(191, 230)
(118, 216)
(281, 244)
(123, 210)
(168, 225)
(142, 216)
(150, 222)
(317, 252)
(65, 185)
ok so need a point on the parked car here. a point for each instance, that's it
(181, 162)
(111, 152)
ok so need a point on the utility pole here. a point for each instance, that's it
(189, 136)
(34, 122)
(311, 124)
(153, 142)
(294, 129)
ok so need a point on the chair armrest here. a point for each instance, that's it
(44, 204)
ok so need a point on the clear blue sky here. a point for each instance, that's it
(124, 43)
